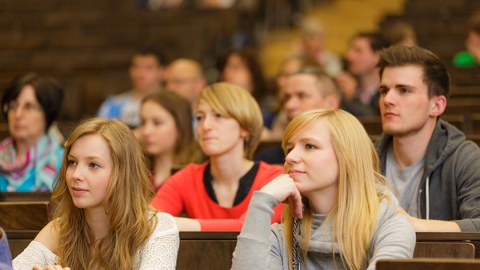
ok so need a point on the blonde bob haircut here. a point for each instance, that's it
(361, 187)
(126, 203)
(233, 101)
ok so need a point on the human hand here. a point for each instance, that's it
(50, 267)
(284, 190)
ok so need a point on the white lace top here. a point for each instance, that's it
(159, 252)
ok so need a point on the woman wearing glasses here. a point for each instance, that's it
(30, 157)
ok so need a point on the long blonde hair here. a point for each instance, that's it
(126, 203)
(361, 187)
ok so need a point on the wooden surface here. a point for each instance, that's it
(430, 264)
(24, 215)
(213, 250)
(444, 250)
(36, 196)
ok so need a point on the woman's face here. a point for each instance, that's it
(89, 170)
(218, 134)
(236, 72)
(26, 119)
(158, 130)
(311, 160)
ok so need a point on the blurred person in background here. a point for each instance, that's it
(471, 56)
(146, 74)
(166, 132)
(313, 44)
(31, 156)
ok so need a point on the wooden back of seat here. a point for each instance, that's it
(444, 250)
(435, 264)
(34, 196)
(24, 215)
(206, 250)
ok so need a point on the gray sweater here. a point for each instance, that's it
(261, 246)
(450, 185)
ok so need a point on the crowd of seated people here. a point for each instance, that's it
(179, 153)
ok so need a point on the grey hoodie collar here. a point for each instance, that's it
(445, 139)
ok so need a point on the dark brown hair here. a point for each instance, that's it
(435, 74)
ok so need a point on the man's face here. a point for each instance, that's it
(405, 105)
(184, 79)
(145, 73)
(361, 58)
(301, 94)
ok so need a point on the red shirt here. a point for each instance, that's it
(185, 192)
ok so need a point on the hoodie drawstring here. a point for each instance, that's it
(427, 193)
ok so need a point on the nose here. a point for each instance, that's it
(291, 104)
(19, 111)
(146, 129)
(77, 173)
(292, 157)
(388, 98)
(206, 123)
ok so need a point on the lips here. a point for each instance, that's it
(389, 115)
(295, 172)
(78, 191)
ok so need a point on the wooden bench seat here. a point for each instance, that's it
(24, 215)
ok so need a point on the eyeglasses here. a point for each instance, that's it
(27, 107)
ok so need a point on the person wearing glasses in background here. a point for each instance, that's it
(30, 157)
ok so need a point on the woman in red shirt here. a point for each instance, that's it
(215, 195)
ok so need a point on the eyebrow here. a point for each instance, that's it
(88, 157)
(399, 85)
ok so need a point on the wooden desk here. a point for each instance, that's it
(213, 250)
(206, 250)
(473, 238)
(421, 264)
(35, 196)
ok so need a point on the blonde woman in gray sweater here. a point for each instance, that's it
(340, 214)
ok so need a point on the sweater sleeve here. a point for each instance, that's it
(160, 250)
(467, 164)
(35, 253)
(169, 197)
(394, 237)
(257, 245)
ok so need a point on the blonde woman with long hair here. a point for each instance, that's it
(102, 219)
(340, 215)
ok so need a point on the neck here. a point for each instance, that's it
(228, 170)
(162, 167)
(98, 221)
(323, 201)
(409, 148)
(139, 94)
(22, 146)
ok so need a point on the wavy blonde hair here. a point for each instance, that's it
(126, 203)
(235, 102)
(361, 187)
